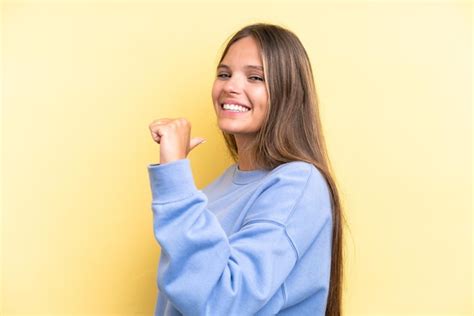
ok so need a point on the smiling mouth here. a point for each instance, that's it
(234, 107)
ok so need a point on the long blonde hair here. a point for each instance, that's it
(292, 129)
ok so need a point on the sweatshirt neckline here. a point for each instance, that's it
(247, 176)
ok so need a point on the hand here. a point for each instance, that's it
(173, 135)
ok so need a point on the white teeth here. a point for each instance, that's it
(235, 107)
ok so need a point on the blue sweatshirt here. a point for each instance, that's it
(250, 243)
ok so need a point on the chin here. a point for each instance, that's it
(236, 128)
(228, 129)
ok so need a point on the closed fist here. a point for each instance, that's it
(174, 137)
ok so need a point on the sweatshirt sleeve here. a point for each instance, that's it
(204, 272)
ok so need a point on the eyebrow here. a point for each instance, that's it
(247, 66)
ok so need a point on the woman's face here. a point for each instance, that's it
(239, 93)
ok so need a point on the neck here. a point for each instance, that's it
(245, 161)
(245, 164)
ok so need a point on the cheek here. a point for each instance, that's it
(215, 91)
(262, 97)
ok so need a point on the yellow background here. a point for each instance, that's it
(82, 81)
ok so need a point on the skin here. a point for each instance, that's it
(174, 138)
(239, 80)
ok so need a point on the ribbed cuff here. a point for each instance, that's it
(171, 181)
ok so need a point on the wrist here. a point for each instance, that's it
(165, 160)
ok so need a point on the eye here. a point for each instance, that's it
(256, 78)
(223, 75)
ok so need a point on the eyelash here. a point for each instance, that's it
(225, 75)
(257, 78)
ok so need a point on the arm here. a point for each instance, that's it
(204, 272)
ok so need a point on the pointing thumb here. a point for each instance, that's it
(195, 141)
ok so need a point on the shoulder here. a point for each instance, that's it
(296, 196)
(300, 175)
(296, 169)
(292, 189)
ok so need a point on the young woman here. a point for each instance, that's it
(264, 238)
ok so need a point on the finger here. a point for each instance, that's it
(195, 142)
(156, 132)
(162, 121)
(156, 137)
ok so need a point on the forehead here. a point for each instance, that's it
(243, 51)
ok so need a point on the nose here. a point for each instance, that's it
(233, 85)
